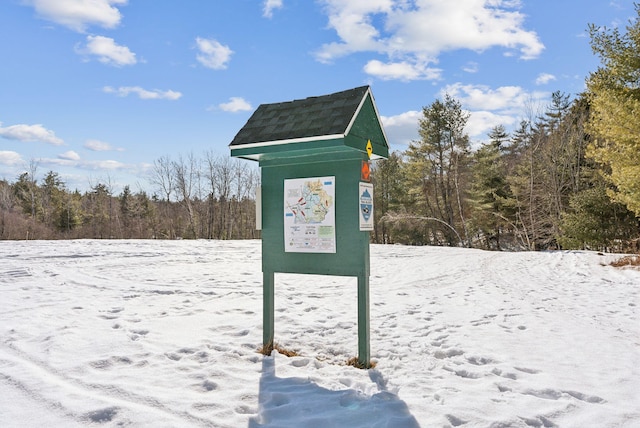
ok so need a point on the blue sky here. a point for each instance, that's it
(98, 90)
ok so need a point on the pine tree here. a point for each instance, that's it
(490, 191)
(437, 164)
(614, 93)
(596, 223)
(389, 194)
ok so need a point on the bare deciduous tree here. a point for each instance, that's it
(186, 174)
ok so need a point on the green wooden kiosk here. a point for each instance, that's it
(316, 202)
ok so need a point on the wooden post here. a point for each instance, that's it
(364, 353)
(268, 311)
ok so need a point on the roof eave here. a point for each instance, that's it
(288, 141)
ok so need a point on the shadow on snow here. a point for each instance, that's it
(297, 402)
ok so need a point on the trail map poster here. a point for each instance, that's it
(310, 215)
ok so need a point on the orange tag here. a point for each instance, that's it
(365, 171)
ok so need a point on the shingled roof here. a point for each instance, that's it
(322, 117)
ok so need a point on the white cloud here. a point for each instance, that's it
(401, 71)
(236, 104)
(30, 133)
(70, 155)
(10, 158)
(106, 164)
(212, 54)
(402, 119)
(471, 67)
(402, 128)
(91, 165)
(416, 33)
(352, 22)
(480, 123)
(488, 107)
(436, 26)
(506, 105)
(79, 14)
(107, 51)
(505, 98)
(269, 6)
(544, 78)
(100, 146)
(144, 94)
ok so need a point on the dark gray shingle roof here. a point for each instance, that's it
(299, 119)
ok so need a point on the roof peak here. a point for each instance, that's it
(306, 118)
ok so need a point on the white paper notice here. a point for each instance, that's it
(310, 215)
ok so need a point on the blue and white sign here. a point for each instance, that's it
(366, 206)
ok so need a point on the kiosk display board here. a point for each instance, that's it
(316, 195)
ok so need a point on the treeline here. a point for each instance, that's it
(212, 197)
(567, 177)
(535, 189)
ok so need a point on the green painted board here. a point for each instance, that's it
(352, 246)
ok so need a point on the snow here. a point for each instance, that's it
(165, 333)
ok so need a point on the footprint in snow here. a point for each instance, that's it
(137, 334)
(102, 415)
(480, 361)
(441, 355)
(206, 386)
(526, 370)
(455, 421)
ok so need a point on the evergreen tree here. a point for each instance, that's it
(490, 191)
(127, 208)
(26, 191)
(597, 223)
(62, 209)
(388, 177)
(70, 214)
(554, 115)
(614, 91)
(97, 209)
(437, 164)
(7, 201)
(517, 143)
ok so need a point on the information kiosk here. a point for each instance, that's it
(316, 199)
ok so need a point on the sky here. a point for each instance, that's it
(97, 90)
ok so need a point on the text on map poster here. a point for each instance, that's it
(309, 215)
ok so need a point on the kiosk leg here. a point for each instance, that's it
(364, 352)
(268, 311)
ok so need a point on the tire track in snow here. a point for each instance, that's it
(109, 400)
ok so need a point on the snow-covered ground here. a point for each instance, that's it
(164, 334)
